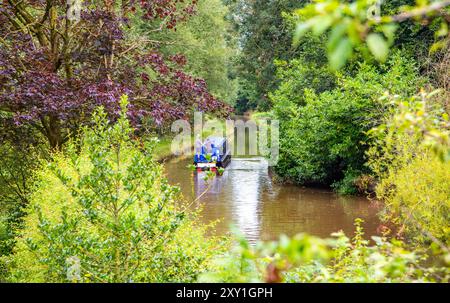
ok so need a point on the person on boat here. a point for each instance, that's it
(208, 146)
(199, 150)
(215, 153)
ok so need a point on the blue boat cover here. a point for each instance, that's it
(211, 148)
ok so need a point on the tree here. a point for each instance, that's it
(264, 37)
(55, 69)
(364, 26)
(209, 44)
(102, 211)
(325, 134)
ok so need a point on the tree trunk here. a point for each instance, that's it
(51, 128)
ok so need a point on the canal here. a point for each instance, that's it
(246, 197)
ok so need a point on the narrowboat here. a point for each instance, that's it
(212, 154)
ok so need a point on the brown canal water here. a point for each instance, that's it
(246, 197)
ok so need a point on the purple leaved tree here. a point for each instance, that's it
(55, 70)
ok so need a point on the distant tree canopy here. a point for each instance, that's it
(345, 61)
(207, 41)
(55, 70)
(372, 27)
(264, 37)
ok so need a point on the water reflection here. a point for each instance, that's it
(246, 197)
(246, 177)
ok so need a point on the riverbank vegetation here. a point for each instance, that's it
(102, 211)
(307, 259)
(371, 119)
(363, 105)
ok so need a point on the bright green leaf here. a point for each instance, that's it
(300, 31)
(339, 56)
(336, 35)
(389, 31)
(378, 46)
(322, 24)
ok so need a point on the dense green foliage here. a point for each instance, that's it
(19, 150)
(309, 259)
(102, 212)
(372, 27)
(295, 77)
(366, 132)
(363, 106)
(360, 129)
(264, 36)
(410, 155)
(325, 136)
(209, 46)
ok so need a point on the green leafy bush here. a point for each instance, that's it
(324, 140)
(369, 27)
(4, 237)
(304, 258)
(417, 197)
(297, 75)
(207, 42)
(18, 159)
(410, 155)
(102, 211)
